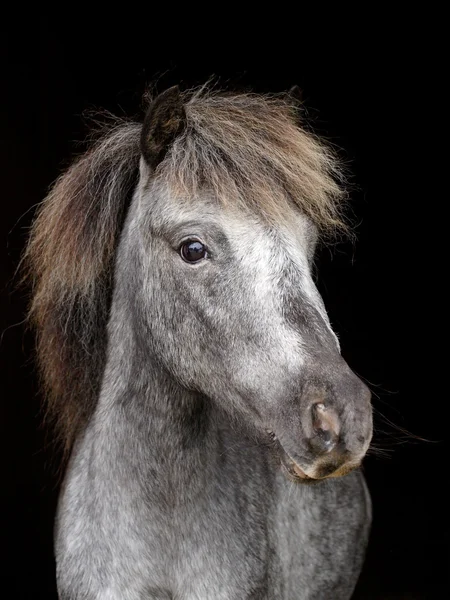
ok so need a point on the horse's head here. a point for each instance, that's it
(225, 251)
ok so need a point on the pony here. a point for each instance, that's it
(213, 430)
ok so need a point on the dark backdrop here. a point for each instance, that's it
(370, 93)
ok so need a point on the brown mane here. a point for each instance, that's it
(247, 148)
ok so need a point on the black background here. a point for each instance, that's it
(371, 90)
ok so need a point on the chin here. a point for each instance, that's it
(325, 469)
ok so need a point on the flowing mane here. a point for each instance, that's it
(248, 149)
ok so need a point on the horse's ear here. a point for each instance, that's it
(164, 121)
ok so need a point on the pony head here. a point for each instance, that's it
(227, 197)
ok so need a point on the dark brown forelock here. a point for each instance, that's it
(250, 151)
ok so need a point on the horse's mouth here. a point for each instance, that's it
(322, 470)
(289, 467)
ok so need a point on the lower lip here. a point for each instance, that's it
(294, 472)
(289, 466)
(299, 472)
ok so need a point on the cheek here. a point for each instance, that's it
(182, 324)
(223, 323)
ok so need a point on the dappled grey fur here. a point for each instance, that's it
(211, 463)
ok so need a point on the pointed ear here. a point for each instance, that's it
(165, 119)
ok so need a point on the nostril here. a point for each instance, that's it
(326, 426)
(327, 437)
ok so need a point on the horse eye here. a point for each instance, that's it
(193, 251)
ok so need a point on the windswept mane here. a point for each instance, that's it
(248, 149)
(69, 260)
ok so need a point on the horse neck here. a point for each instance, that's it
(146, 421)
